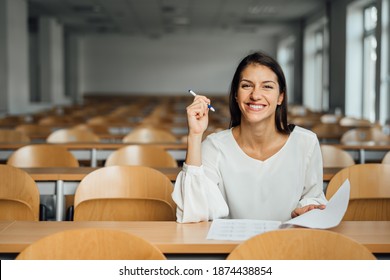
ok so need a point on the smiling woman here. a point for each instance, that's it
(262, 167)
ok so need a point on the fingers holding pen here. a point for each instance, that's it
(199, 107)
(206, 100)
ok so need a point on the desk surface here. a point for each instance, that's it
(78, 173)
(108, 146)
(175, 238)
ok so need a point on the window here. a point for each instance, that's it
(361, 93)
(285, 58)
(384, 104)
(316, 63)
(369, 62)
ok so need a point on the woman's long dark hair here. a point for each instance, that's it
(281, 110)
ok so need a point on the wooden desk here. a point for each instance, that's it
(78, 173)
(364, 147)
(174, 238)
(94, 152)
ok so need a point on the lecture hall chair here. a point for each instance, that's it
(44, 155)
(19, 195)
(386, 158)
(91, 244)
(145, 155)
(149, 135)
(370, 193)
(361, 134)
(66, 135)
(300, 244)
(333, 156)
(124, 193)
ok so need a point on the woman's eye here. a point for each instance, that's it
(268, 86)
(245, 86)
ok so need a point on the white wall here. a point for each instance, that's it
(171, 64)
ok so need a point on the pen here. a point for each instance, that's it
(208, 105)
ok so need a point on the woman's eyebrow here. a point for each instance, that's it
(245, 80)
(269, 82)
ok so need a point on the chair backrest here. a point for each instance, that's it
(19, 195)
(67, 135)
(125, 209)
(145, 155)
(117, 183)
(386, 158)
(300, 244)
(34, 129)
(354, 122)
(91, 244)
(149, 135)
(13, 136)
(370, 191)
(94, 128)
(329, 130)
(335, 157)
(42, 155)
(364, 135)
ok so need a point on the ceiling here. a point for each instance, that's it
(159, 17)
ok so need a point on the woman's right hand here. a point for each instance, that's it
(198, 115)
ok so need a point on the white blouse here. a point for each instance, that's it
(230, 184)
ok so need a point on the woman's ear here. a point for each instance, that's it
(280, 98)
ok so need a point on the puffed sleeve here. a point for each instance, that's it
(196, 192)
(313, 192)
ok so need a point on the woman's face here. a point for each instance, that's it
(258, 94)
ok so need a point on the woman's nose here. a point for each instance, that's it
(256, 93)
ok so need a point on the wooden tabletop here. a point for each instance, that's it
(175, 238)
(78, 173)
(100, 145)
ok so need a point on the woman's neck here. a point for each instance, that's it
(260, 141)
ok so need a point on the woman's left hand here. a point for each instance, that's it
(299, 211)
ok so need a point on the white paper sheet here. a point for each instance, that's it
(242, 229)
(239, 229)
(329, 217)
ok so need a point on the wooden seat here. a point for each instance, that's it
(105, 193)
(19, 195)
(145, 155)
(91, 244)
(42, 155)
(370, 191)
(364, 135)
(335, 157)
(386, 158)
(149, 135)
(300, 244)
(67, 135)
(13, 136)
